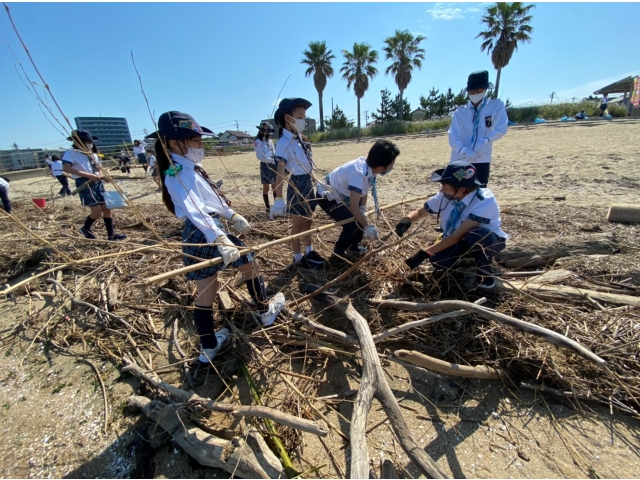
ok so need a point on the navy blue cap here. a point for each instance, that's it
(83, 135)
(178, 126)
(479, 79)
(286, 105)
(458, 174)
(265, 127)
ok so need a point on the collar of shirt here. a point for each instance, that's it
(468, 198)
(366, 170)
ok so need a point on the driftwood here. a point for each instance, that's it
(489, 314)
(436, 365)
(246, 456)
(570, 294)
(373, 383)
(532, 254)
(623, 213)
(236, 410)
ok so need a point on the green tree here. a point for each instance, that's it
(401, 108)
(318, 58)
(507, 25)
(385, 112)
(404, 50)
(358, 68)
(338, 120)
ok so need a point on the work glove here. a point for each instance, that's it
(227, 249)
(241, 224)
(402, 226)
(278, 208)
(469, 155)
(371, 233)
(416, 259)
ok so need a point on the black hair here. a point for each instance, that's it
(262, 136)
(382, 154)
(162, 164)
(55, 157)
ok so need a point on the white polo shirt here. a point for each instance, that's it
(57, 168)
(353, 176)
(492, 126)
(481, 206)
(80, 161)
(194, 198)
(264, 150)
(5, 184)
(290, 152)
(152, 161)
(139, 149)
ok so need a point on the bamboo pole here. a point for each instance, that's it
(258, 248)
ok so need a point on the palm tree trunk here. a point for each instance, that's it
(498, 82)
(358, 112)
(321, 111)
(401, 105)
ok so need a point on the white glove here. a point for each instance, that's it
(227, 249)
(471, 155)
(371, 233)
(241, 224)
(278, 208)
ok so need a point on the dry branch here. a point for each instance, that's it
(259, 248)
(430, 363)
(570, 294)
(235, 410)
(246, 457)
(374, 383)
(487, 313)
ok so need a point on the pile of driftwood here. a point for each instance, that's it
(558, 322)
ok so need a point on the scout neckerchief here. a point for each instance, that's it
(306, 146)
(454, 217)
(374, 190)
(476, 121)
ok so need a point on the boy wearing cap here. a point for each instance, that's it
(82, 163)
(58, 171)
(265, 151)
(470, 220)
(476, 125)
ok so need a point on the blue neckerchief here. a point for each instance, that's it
(454, 217)
(374, 194)
(476, 121)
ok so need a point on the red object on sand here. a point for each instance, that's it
(40, 202)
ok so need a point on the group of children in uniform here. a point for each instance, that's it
(468, 211)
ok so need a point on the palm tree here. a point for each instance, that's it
(404, 49)
(319, 57)
(358, 68)
(507, 25)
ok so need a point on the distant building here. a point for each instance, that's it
(112, 131)
(234, 137)
(418, 114)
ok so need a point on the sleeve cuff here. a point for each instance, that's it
(351, 188)
(428, 208)
(281, 159)
(478, 219)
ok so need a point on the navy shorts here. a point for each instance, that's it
(301, 197)
(142, 158)
(268, 173)
(192, 234)
(92, 195)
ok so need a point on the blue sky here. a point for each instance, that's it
(224, 62)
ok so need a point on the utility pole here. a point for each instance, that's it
(573, 99)
(366, 118)
(552, 94)
(332, 107)
(236, 124)
(145, 132)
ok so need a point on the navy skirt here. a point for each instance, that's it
(92, 195)
(268, 173)
(192, 234)
(142, 158)
(301, 197)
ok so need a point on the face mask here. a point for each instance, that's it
(475, 98)
(89, 145)
(196, 155)
(387, 172)
(299, 124)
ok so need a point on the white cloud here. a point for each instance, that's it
(452, 11)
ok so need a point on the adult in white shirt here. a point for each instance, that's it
(476, 125)
(604, 104)
(139, 147)
(265, 152)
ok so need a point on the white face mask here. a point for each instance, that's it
(477, 97)
(300, 124)
(196, 155)
(89, 146)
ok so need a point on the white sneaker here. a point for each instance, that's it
(207, 354)
(275, 306)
